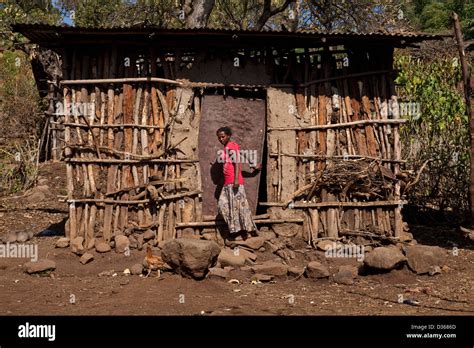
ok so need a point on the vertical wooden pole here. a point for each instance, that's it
(467, 99)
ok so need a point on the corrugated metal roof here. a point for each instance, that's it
(53, 35)
(68, 28)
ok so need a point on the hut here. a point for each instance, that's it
(134, 111)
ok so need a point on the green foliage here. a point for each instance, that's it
(19, 98)
(439, 133)
(436, 15)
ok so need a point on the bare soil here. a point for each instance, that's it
(448, 293)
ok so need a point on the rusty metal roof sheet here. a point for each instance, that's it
(57, 35)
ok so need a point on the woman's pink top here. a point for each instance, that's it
(230, 156)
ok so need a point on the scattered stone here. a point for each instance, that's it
(102, 247)
(133, 242)
(262, 277)
(190, 257)
(41, 265)
(36, 197)
(406, 237)
(11, 238)
(106, 274)
(136, 269)
(422, 257)
(124, 281)
(295, 271)
(86, 257)
(112, 244)
(287, 230)
(209, 236)
(121, 244)
(346, 275)
(77, 245)
(22, 237)
(148, 234)
(218, 273)
(188, 232)
(31, 235)
(249, 256)
(140, 242)
(271, 268)
(252, 243)
(262, 249)
(326, 244)
(316, 270)
(227, 257)
(434, 270)
(126, 271)
(228, 268)
(385, 258)
(267, 235)
(62, 242)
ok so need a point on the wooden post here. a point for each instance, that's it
(467, 98)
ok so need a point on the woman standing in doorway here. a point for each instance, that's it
(233, 204)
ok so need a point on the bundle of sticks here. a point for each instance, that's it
(348, 179)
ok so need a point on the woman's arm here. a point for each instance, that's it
(236, 169)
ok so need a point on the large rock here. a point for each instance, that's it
(41, 265)
(62, 242)
(271, 268)
(102, 247)
(228, 257)
(422, 258)
(77, 245)
(384, 258)
(190, 257)
(346, 275)
(316, 270)
(121, 243)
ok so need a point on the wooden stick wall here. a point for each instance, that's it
(341, 105)
(130, 153)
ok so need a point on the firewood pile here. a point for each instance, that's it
(359, 179)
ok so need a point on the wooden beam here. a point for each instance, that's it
(340, 125)
(336, 204)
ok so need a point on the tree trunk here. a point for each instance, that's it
(467, 97)
(197, 12)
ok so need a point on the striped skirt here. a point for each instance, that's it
(234, 208)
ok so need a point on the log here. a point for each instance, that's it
(127, 80)
(336, 204)
(219, 223)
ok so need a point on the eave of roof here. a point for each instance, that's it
(63, 35)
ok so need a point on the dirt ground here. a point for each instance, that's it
(450, 293)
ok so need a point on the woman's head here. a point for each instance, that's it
(224, 134)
